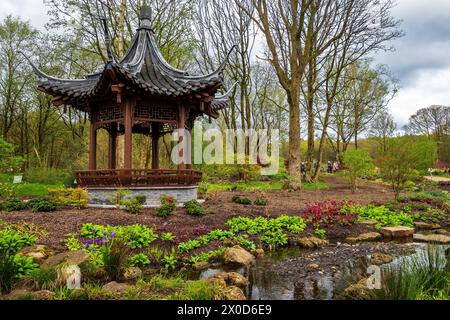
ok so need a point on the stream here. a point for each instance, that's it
(295, 274)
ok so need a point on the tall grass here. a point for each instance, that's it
(423, 276)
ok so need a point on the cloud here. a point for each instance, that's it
(421, 61)
(28, 10)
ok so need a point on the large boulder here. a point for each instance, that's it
(238, 256)
(426, 226)
(44, 295)
(233, 294)
(70, 257)
(38, 253)
(381, 258)
(432, 238)
(397, 232)
(130, 274)
(230, 278)
(365, 237)
(17, 294)
(116, 288)
(312, 242)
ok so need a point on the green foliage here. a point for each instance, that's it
(119, 197)
(12, 265)
(48, 176)
(261, 200)
(72, 243)
(135, 236)
(8, 190)
(77, 198)
(168, 206)
(141, 199)
(359, 164)
(167, 236)
(194, 208)
(404, 156)
(275, 238)
(133, 206)
(8, 162)
(241, 200)
(425, 276)
(139, 260)
(12, 241)
(114, 257)
(42, 278)
(170, 261)
(321, 233)
(12, 205)
(138, 236)
(384, 216)
(44, 205)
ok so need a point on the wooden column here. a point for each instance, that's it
(181, 137)
(113, 148)
(155, 146)
(190, 165)
(93, 144)
(128, 147)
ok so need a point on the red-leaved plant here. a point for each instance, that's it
(329, 213)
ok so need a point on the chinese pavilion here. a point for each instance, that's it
(140, 94)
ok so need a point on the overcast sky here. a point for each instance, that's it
(421, 61)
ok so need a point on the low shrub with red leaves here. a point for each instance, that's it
(330, 213)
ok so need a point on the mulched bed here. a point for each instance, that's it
(220, 209)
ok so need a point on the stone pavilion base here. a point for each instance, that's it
(102, 197)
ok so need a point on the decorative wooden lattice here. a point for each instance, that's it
(110, 114)
(155, 113)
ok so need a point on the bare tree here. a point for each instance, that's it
(382, 128)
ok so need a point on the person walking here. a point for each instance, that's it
(330, 167)
(430, 171)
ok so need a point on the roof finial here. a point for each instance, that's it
(107, 39)
(146, 16)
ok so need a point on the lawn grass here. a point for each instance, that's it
(259, 186)
(33, 189)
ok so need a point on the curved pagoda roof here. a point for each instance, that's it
(144, 68)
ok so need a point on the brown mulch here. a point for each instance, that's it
(220, 209)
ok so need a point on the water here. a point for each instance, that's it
(266, 282)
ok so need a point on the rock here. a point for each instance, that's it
(397, 232)
(442, 232)
(432, 238)
(70, 257)
(365, 237)
(231, 278)
(16, 294)
(218, 282)
(44, 295)
(358, 291)
(259, 253)
(370, 223)
(115, 287)
(38, 253)
(98, 274)
(312, 242)
(426, 226)
(233, 294)
(238, 256)
(313, 266)
(70, 276)
(381, 258)
(130, 274)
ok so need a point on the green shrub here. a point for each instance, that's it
(194, 208)
(241, 200)
(384, 216)
(119, 197)
(138, 236)
(12, 265)
(168, 206)
(42, 278)
(141, 199)
(13, 205)
(167, 236)
(73, 197)
(8, 190)
(114, 257)
(139, 260)
(133, 206)
(49, 176)
(261, 201)
(44, 205)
